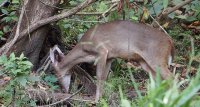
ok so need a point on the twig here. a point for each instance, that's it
(168, 11)
(159, 25)
(48, 20)
(49, 96)
(89, 13)
(114, 1)
(86, 21)
(77, 99)
(154, 20)
(17, 30)
(65, 99)
(45, 65)
(111, 7)
(85, 73)
(14, 97)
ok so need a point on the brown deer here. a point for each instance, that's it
(147, 46)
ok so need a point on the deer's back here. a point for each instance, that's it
(125, 37)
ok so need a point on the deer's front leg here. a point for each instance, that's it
(101, 77)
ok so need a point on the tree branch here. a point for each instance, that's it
(49, 20)
(55, 18)
(170, 10)
(17, 30)
(166, 12)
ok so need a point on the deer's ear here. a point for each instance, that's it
(52, 56)
(60, 54)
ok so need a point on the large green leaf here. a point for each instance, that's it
(165, 3)
(22, 80)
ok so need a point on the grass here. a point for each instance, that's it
(159, 93)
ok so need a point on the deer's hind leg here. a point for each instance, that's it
(160, 67)
(147, 68)
(101, 72)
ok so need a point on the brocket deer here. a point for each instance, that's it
(147, 46)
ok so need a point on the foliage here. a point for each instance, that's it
(18, 70)
(182, 39)
(8, 15)
(51, 81)
(160, 93)
(194, 7)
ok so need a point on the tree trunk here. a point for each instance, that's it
(31, 45)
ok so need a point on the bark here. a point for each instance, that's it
(31, 44)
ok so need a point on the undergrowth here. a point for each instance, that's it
(16, 70)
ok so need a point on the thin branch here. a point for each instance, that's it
(55, 18)
(108, 10)
(89, 13)
(65, 99)
(168, 11)
(48, 20)
(154, 20)
(86, 21)
(48, 96)
(159, 25)
(17, 30)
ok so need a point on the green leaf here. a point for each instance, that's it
(1, 72)
(3, 59)
(172, 15)
(14, 18)
(15, 1)
(1, 34)
(67, 26)
(50, 78)
(125, 103)
(28, 63)
(165, 3)
(158, 7)
(177, 1)
(145, 1)
(4, 11)
(191, 18)
(12, 13)
(181, 16)
(188, 95)
(21, 56)
(12, 57)
(33, 103)
(102, 7)
(15, 72)
(73, 3)
(22, 80)
(34, 78)
(6, 28)
(7, 19)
